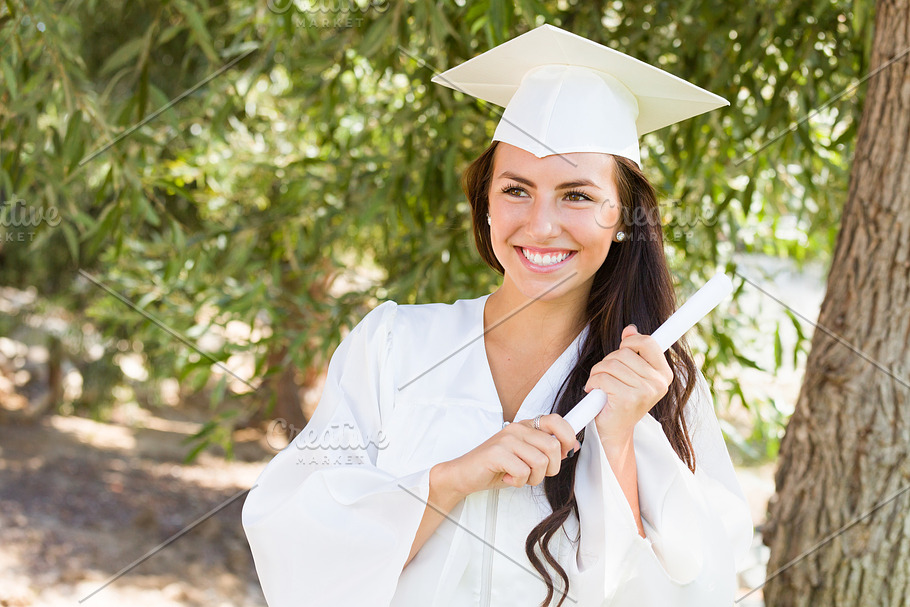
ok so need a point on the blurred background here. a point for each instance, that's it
(200, 197)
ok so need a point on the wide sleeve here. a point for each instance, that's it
(327, 526)
(670, 494)
(698, 525)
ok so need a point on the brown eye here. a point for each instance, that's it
(576, 196)
(513, 190)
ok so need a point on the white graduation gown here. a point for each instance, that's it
(331, 519)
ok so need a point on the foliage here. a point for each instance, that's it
(320, 173)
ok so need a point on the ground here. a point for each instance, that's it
(80, 500)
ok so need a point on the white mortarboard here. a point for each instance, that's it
(564, 93)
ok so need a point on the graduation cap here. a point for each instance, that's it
(564, 93)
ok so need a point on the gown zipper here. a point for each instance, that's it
(486, 576)
(489, 535)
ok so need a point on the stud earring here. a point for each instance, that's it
(620, 236)
(489, 220)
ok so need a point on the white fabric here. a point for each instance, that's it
(565, 108)
(590, 98)
(332, 518)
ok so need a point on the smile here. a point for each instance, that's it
(545, 259)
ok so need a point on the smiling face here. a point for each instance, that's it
(552, 220)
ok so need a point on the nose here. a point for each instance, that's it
(543, 221)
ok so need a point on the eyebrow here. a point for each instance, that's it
(562, 186)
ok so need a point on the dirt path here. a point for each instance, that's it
(79, 500)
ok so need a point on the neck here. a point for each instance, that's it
(513, 318)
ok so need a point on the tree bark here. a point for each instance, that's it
(846, 446)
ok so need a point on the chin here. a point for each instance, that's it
(554, 289)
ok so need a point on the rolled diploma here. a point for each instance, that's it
(696, 308)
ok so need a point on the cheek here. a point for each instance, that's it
(608, 215)
(504, 218)
(501, 226)
(595, 232)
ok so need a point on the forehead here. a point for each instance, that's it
(556, 168)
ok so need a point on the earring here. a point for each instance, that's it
(620, 236)
(489, 220)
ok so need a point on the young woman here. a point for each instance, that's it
(438, 470)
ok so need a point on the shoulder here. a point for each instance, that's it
(427, 335)
(382, 315)
(413, 324)
(375, 326)
(439, 319)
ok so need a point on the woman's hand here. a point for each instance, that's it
(634, 377)
(516, 456)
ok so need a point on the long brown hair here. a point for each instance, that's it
(633, 286)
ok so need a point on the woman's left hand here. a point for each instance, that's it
(634, 377)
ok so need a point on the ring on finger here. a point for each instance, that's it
(537, 422)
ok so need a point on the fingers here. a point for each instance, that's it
(541, 463)
(540, 450)
(648, 349)
(629, 368)
(634, 377)
(516, 470)
(621, 366)
(554, 431)
(523, 463)
(535, 454)
(637, 361)
(554, 425)
(516, 456)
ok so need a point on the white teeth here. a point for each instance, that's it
(544, 260)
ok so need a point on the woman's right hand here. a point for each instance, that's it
(516, 456)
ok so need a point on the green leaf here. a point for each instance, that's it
(72, 240)
(377, 34)
(217, 397)
(9, 77)
(147, 210)
(497, 17)
(200, 32)
(124, 54)
(73, 142)
(778, 349)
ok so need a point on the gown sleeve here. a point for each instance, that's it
(698, 525)
(325, 525)
(669, 491)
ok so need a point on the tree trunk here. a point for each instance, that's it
(284, 383)
(846, 446)
(283, 386)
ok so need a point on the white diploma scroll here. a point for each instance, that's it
(696, 308)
